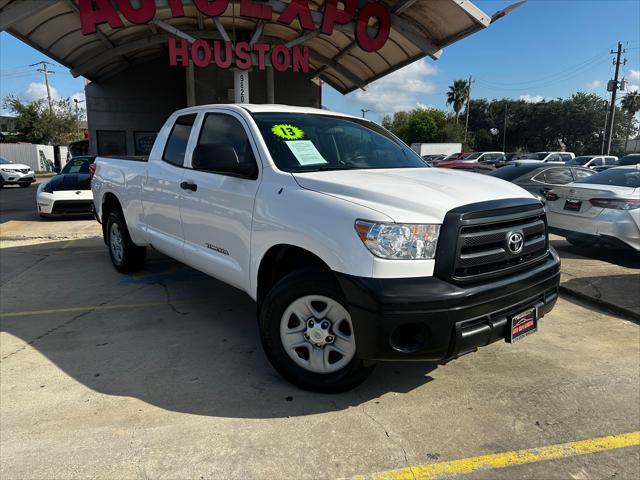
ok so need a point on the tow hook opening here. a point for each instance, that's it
(408, 337)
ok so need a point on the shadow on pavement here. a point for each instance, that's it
(623, 257)
(193, 348)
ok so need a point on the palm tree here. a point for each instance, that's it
(457, 95)
(631, 103)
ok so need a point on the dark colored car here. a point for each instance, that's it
(68, 194)
(538, 178)
(631, 159)
(509, 157)
(468, 166)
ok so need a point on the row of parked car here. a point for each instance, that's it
(501, 159)
(589, 199)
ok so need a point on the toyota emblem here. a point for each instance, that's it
(515, 242)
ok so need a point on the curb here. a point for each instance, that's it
(601, 303)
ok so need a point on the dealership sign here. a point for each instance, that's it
(243, 55)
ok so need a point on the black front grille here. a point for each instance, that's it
(70, 207)
(474, 240)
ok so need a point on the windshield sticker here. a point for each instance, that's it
(287, 132)
(306, 152)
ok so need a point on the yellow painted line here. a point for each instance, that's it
(509, 459)
(94, 307)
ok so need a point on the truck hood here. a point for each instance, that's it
(410, 195)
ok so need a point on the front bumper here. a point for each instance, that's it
(65, 204)
(18, 178)
(615, 227)
(430, 319)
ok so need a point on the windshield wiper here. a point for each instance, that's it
(324, 168)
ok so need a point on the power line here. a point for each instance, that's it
(559, 79)
(553, 76)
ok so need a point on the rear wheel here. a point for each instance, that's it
(308, 335)
(125, 255)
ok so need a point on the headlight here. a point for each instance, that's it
(399, 241)
(48, 188)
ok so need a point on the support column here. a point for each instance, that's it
(271, 97)
(191, 85)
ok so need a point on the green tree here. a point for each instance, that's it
(421, 125)
(457, 95)
(36, 124)
(631, 103)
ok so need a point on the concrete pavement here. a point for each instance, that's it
(606, 277)
(161, 375)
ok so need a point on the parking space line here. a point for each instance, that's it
(509, 459)
(94, 307)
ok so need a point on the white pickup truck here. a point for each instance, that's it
(354, 250)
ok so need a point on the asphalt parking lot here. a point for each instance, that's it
(161, 375)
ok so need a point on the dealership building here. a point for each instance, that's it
(143, 59)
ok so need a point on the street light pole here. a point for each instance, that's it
(364, 111)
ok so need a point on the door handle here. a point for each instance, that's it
(189, 186)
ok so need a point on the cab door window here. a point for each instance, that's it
(224, 131)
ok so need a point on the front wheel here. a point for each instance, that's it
(125, 255)
(308, 335)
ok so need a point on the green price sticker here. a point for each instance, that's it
(287, 132)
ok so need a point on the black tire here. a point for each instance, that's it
(132, 256)
(293, 286)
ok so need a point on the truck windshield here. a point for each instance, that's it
(301, 142)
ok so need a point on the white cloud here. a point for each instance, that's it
(631, 87)
(634, 74)
(531, 98)
(401, 90)
(594, 85)
(38, 91)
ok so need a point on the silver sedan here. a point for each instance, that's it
(604, 207)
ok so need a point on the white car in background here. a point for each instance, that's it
(15, 174)
(67, 194)
(593, 161)
(559, 157)
(604, 207)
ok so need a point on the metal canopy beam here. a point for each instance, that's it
(18, 11)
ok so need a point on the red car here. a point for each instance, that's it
(468, 166)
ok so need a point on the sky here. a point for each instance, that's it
(543, 50)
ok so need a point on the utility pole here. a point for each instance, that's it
(614, 90)
(46, 73)
(504, 129)
(364, 111)
(76, 101)
(466, 124)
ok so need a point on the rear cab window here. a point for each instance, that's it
(176, 146)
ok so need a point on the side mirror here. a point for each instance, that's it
(221, 158)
